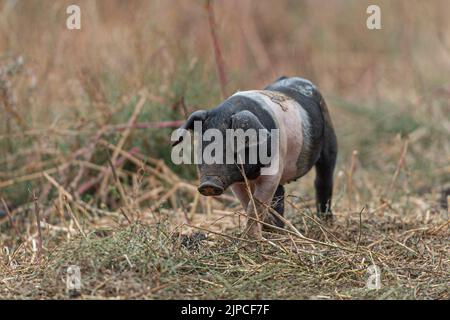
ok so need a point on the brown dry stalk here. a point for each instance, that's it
(74, 218)
(6, 94)
(118, 183)
(137, 162)
(32, 176)
(8, 213)
(58, 204)
(360, 227)
(250, 195)
(82, 188)
(350, 178)
(165, 197)
(96, 167)
(320, 225)
(299, 234)
(224, 235)
(208, 207)
(16, 116)
(252, 36)
(152, 194)
(193, 190)
(125, 215)
(400, 164)
(87, 153)
(217, 50)
(80, 204)
(147, 125)
(230, 213)
(169, 177)
(295, 232)
(37, 166)
(131, 121)
(38, 224)
(443, 226)
(194, 204)
(123, 139)
(59, 187)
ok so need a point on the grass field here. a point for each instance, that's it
(86, 177)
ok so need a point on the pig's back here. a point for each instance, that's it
(311, 111)
(293, 124)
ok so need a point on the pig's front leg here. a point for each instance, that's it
(240, 191)
(265, 187)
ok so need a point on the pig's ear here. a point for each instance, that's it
(247, 120)
(199, 115)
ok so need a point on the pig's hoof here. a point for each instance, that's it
(325, 216)
(253, 232)
(272, 220)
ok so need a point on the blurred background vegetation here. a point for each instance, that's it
(85, 171)
(60, 87)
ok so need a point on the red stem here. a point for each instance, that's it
(217, 51)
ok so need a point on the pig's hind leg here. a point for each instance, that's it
(324, 178)
(278, 206)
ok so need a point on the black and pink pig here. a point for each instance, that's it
(306, 139)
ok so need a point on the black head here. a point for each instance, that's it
(218, 173)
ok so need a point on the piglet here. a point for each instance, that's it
(296, 111)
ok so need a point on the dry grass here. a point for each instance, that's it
(153, 260)
(85, 172)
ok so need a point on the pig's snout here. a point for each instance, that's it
(211, 186)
